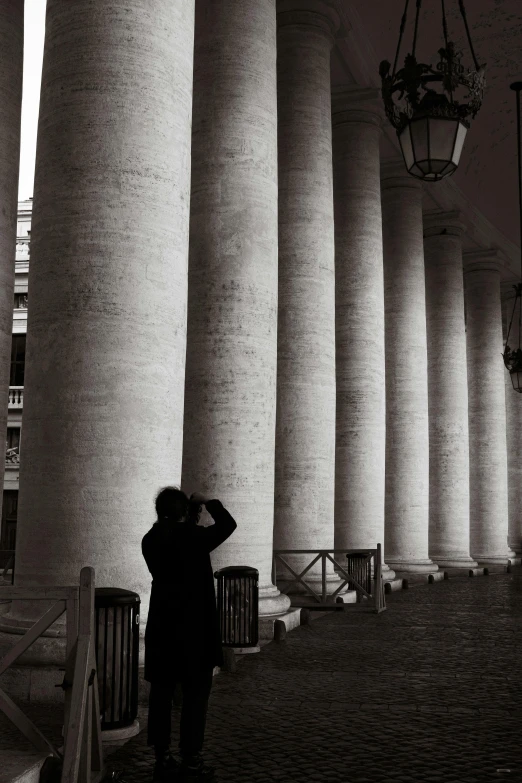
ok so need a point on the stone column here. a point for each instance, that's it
(407, 444)
(513, 430)
(305, 420)
(449, 540)
(361, 423)
(487, 408)
(230, 396)
(103, 403)
(11, 67)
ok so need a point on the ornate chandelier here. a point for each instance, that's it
(513, 356)
(432, 125)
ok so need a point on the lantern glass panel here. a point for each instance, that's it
(419, 137)
(516, 380)
(459, 143)
(442, 138)
(406, 147)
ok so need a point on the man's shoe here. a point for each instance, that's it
(166, 770)
(193, 770)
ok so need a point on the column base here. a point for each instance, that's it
(483, 560)
(456, 562)
(291, 619)
(388, 574)
(515, 561)
(413, 567)
(272, 603)
(393, 585)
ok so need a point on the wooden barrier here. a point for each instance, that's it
(82, 757)
(325, 601)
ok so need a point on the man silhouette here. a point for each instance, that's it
(182, 636)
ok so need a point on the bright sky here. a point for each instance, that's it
(33, 53)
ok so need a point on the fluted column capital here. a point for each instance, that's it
(438, 222)
(357, 104)
(319, 14)
(395, 175)
(488, 260)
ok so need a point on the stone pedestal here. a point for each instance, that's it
(103, 408)
(305, 420)
(407, 445)
(11, 66)
(487, 409)
(230, 395)
(513, 430)
(449, 539)
(359, 295)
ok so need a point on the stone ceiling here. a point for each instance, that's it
(487, 176)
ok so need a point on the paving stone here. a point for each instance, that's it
(428, 691)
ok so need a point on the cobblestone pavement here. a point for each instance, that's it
(429, 690)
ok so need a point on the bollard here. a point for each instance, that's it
(431, 579)
(306, 616)
(229, 658)
(405, 584)
(446, 575)
(486, 572)
(279, 631)
(387, 587)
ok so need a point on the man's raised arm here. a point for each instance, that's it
(223, 527)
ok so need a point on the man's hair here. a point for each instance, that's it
(171, 502)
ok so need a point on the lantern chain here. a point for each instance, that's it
(445, 30)
(444, 24)
(463, 13)
(401, 33)
(419, 3)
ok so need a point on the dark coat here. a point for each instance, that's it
(182, 629)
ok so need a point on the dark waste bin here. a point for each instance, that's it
(117, 625)
(237, 605)
(360, 571)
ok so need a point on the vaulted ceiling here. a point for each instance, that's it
(485, 185)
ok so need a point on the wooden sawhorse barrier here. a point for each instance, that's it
(82, 757)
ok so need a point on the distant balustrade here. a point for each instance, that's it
(16, 397)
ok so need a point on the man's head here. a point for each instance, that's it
(172, 503)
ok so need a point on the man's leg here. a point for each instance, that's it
(196, 691)
(159, 718)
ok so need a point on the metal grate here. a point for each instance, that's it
(117, 648)
(237, 605)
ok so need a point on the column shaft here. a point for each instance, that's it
(11, 68)
(513, 439)
(230, 397)
(361, 424)
(305, 421)
(487, 409)
(407, 445)
(103, 407)
(449, 540)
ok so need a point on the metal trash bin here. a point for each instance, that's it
(117, 625)
(360, 571)
(237, 605)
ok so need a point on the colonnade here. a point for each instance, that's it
(228, 292)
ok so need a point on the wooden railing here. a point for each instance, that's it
(375, 597)
(82, 755)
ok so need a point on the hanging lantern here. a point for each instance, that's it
(432, 125)
(513, 356)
